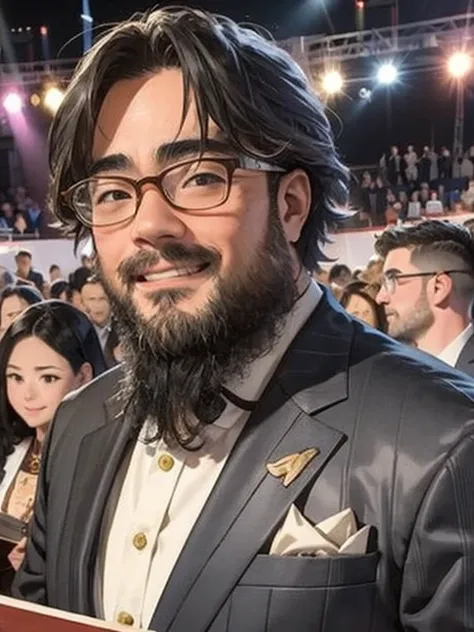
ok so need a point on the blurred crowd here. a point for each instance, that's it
(411, 185)
(20, 214)
(25, 286)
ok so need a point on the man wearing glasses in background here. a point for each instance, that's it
(428, 289)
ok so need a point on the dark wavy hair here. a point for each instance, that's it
(67, 331)
(254, 91)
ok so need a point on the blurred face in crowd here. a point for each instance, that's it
(23, 265)
(12, 307)
(359, 307)
(408, 311)
(38, 378)
(7, 210)
(95, 303)
(55, 274)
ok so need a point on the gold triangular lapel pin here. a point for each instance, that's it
(290, 467)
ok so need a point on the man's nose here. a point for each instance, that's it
(382, 297)
(156, 219)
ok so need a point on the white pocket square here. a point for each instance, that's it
(337, 535)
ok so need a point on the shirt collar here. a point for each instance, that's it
(451, 353)
(251, 387)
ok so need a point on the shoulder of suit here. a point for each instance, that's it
(104, 386)
(82, 411)
(437, 399)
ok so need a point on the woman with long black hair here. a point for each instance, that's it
(48, 351)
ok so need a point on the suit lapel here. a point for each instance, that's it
(248, 504)
(99, 458)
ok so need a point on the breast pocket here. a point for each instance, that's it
(304, 594)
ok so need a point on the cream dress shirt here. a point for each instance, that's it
(451, 353)
(165, 489)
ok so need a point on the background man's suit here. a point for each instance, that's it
(465, 361)
(396, 445)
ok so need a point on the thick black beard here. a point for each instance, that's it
(176, 363)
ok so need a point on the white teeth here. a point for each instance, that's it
(170, 274)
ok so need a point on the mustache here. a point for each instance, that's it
(175, 254)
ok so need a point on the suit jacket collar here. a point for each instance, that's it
(465, 360)
(248, 504)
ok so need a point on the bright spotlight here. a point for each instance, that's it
(387, 74)
(459, 65)
(53, 99)
(13, 103)
(333, 82)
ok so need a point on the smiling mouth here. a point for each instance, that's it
(35, 410)
(173, 273)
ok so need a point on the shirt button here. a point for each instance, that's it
(125, 618)
(165, 462)
(140, 541)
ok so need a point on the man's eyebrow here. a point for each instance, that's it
(392, 271)
(114, 162)
(165, 154)
(191, 147)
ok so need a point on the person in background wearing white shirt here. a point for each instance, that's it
(428, 289)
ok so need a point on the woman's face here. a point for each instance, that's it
(359, 307)
(37, 379)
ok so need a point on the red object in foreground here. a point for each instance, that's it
(21, 616)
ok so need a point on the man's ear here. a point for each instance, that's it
(294, 203)
(439, 289)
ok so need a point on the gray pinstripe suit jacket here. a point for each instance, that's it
(396, 441)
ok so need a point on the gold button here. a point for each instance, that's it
(140, 541)
(125, 618)
(165, 462)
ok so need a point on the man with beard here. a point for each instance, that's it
(428, 289)
(180, 491)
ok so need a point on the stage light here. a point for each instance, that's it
(333, 82)
(13, 103)
(387, 74)
(35, 100)
(53, 98)
(459, 64)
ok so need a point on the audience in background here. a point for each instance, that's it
(97, 306)
(13, 302)
(390, 194)
(20, 214)
(357, 300)
(61, 290)
(55, 273)
(25, 272)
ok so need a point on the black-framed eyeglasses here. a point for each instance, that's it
(390, 279)
(192, 185)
